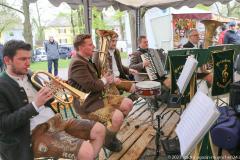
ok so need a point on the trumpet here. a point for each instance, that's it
(62, 91)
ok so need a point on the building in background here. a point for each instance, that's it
(60, 29)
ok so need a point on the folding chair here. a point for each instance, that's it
(222, 75)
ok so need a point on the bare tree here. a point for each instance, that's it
(27, 31)
(27, 28)
(231, 9)
(9, 20)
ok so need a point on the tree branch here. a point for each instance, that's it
(218, 9)
(4, 5)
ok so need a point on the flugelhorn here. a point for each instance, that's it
(62, 91)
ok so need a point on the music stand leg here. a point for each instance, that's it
(157, 138)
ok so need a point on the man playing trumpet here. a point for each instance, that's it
(84, 75)
(29, 128)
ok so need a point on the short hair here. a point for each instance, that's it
(224, 27)
(11, 47)
(140, 39)
(191, 31)
(114, 36)
(80, 40)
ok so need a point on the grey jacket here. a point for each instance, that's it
(51, 50)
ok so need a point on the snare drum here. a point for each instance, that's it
(148, 88)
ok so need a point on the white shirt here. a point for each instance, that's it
(45, 113)
(114, 63)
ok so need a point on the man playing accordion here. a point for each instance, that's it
(31, 129)
(141, 65)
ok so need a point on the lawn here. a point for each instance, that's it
(42, 66)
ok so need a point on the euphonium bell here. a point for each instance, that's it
(63, 92)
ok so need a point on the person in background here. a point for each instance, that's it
(51, 48)
(222, 33)
(232, 36)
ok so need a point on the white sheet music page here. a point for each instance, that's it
(187, 73)
(195, 122)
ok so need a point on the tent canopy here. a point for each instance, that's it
(163, 4)
(131, 4)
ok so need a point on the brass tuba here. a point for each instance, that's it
(63, 92)
(210, 28)
(105, 37)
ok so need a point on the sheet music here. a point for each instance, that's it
(187, 73)
(195, 122)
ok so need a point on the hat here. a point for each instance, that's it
(232, 23)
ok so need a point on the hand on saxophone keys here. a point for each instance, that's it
(117, 80)
(109, 78)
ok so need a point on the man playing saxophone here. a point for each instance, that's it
(29, 128)
(84, 75)
(122, 73)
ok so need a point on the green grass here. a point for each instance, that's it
(124, 55)
(42, 66)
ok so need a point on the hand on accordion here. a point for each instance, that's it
(133, 71)
(146, 63)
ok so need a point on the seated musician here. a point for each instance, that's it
(140, 65)
(31, 129)
(119, 70)
(193, 42)
(84, 76)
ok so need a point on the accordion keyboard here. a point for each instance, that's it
(151, 70)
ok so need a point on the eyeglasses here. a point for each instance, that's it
(195, 35)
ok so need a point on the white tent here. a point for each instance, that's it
(134, 5)
(169, 3)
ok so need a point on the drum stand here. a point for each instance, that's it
(176, 101)
(150, 101)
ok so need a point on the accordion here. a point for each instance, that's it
(156, 69)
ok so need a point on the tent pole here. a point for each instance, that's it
(138, 27)
(88, 15)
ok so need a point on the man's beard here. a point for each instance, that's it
(17, 72)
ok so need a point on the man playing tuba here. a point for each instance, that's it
(83, 75)
(31, 129)
(122, 73)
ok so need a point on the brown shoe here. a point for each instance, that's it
(111, 142)
(115, 145)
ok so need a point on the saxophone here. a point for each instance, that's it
(105, 37)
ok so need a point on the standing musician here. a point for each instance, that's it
(84, 76)
(140, 65)
(121, 72)
(31, 129)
